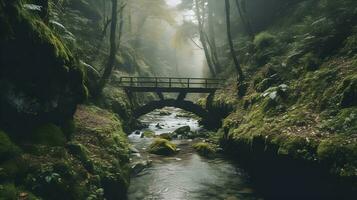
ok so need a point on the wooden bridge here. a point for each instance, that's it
(182, 86)
(170, 84)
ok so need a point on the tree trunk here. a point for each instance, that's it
(211, 37)
(203, 39)
(45, 12)
(240, 76)
(113, 48)
(244, 20)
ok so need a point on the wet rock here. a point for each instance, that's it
(139, 166)
(133, 150)
(166, 136)
(158, 126)
(164, 113)
(148, 134)
(162, 147)
(205, 148)
(182, 130)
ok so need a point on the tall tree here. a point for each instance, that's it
(240, 75)
(211, 35)
(244, 18)
(113, 48)
(200, 18)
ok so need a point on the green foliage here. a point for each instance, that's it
(350, 47)
(149, 134)
(344, 122)
(8, 192)
(205, 149)
(162, 147)
(310, 62)
(48, 134)
(349, 94)
(166, 136)
(340, 153)
(264, 40)
(7, 148)
(57, 92)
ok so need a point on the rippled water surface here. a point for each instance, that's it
(185, 175)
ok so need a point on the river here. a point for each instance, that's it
(185, 176)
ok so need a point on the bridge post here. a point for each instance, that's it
(130, 96)
(209, 100)
(181, 96)
(160, 95)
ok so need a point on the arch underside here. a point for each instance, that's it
(182, 104)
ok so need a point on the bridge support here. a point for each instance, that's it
(181, 96)
(209, 100)
(160, 95)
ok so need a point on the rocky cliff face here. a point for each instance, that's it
(40, 80)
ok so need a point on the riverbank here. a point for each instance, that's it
(93, 164)
(303, 129)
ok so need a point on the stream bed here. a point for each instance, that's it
(186, 175)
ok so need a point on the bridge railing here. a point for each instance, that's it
(170, 82)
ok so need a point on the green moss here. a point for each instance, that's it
(182, 130)
(149, 134)
(9, 191)
(345, 122)
(205, 149)
(48, 134)
(296, 147)
(166, 136)
(162, 147)
(7, 148)
(349, 94)
(81, 153)
(310, 62)
(340, 153)
(263, 40)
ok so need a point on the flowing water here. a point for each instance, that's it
(185, 176)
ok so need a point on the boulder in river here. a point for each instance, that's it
(184, 130)
(162, 147)
(139, 166)
(158, 126)
(205, 149)
(148, 134)
(166, 136)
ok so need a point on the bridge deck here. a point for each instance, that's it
(170, 84)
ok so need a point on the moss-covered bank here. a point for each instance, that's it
(40, 80)
(92, 165)
(297, 121)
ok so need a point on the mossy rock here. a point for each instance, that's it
(166, 136)
(149, 134)
(182, 130)
(263, 40)
(51, 82)
(205, 149)
(162, 147)
(48, 134)
(7, 148)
